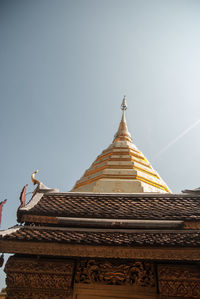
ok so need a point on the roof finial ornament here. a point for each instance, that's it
(34, 180)
(124, 105)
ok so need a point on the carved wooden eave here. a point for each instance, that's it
(122, 252)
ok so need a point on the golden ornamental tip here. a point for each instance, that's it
(34, 180)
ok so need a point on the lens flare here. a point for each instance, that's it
(164, 149)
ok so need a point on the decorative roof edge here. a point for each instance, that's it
(34, 200)
(193, 191)
(9, 230)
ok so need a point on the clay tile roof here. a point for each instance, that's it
(118, 206)
(105, 237)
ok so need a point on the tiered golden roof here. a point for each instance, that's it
(121, 168)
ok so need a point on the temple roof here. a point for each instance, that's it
(119, 206)
(129, 220)
(176, 238)
(121, 168)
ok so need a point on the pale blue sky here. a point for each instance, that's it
(64, 68)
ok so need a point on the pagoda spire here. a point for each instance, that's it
(121, 167)
(124, 105)
(123, 133)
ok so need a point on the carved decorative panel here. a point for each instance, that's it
(115, 273)
(179, 280)
(38, 278)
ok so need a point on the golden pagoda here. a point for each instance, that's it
(121, 168)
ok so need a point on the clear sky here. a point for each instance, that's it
(64, 68)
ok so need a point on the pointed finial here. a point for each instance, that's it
(123, 133)
(124, 105)
(34, 180)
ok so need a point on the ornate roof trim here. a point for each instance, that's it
(9, 231)
(36, 198)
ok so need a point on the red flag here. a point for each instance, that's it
(23, 196)
(1, 206)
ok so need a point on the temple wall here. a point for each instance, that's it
(61, 278)
(38, 278)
